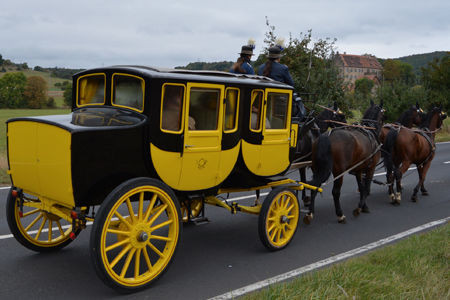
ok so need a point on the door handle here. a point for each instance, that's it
(189, 146)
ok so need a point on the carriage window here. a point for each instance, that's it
(204, 108)
(172, 107)
(277, 107)
(231, 109)
(91, 89)
(128, 91)
(255, 117)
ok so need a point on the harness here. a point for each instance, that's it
(426, 134)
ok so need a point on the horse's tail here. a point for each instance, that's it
(388, 150)
(322, 161)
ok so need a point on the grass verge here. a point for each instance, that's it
(414, 268)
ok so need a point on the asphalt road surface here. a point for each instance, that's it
(226, 253)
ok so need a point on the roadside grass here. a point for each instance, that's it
(414, 268)
(6, 114)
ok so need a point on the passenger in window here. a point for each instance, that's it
(172, 109)
(256, 115)
(273, 69)
(242, 65)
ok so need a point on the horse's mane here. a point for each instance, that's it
(406, 117)
(372, 113)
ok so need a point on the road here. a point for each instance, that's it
(226, 253)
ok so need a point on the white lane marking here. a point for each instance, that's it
(384, 173)
(8, 236)
(294, 273)
(446, 162)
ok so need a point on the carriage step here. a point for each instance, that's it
(199, 221)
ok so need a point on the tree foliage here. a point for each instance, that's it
(35, 94)
(68, 95)
(436, 80)
(12, 87)
(398, 71)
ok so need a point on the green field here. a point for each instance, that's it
(414, 268)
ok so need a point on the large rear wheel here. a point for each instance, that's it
(135, 234)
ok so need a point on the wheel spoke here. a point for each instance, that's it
(288, 209)
(168, 222)
(155, 250)
(121, 232)
(34, 221)
(271, 219)
(150, 207)
(130, 210)
(271, 227)
(158, 213)
(147, 258)
(122, 219)
(141, 205)
(161, 238)
(60, 228)
(272, 235)
(50, 224)
(31, 212)
(120, 255)
(278, 234)
(137, 261)
(118, 244)
(38, 234)
(126, 265)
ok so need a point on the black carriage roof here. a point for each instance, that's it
(191, 75)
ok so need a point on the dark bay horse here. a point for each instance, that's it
(409, 118)
(404, 147)
(309, 132)
(354, 149)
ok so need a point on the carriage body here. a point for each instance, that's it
(149, 148)
(116, 132)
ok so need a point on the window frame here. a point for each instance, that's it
(261, 113)
(163, 91)
(78, 90)
(236, 113)
(288, 109)
(113, 90)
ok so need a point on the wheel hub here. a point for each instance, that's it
(142, 236)
(284, 219)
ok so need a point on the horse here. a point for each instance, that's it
(409, 118)
(404, 147)
(309, 132)
(353, 149)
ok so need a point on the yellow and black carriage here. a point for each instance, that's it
(143, 151)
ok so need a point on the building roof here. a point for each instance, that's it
(360, 61)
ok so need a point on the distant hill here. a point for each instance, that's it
(421, 60)
(211, 66)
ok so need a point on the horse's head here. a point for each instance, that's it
(330, 114)
(374, 115)
(434, 118)
(417, 114)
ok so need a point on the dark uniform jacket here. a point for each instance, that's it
(246, 67)
(279, 73)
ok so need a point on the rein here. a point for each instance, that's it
(350, 125)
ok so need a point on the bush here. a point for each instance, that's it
(51, 102)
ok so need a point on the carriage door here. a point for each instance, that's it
(203, 136)
(276, 131)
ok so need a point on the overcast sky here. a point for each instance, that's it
(93, 33)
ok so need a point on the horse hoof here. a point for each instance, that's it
(365, 210)
(307, 219)
(425, 193)
(342, 220)
(414, 198)
(392, 197)
(398, 197)
(356, 211)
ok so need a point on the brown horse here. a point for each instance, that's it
(348, 149)
(404, 147)
(409, 118)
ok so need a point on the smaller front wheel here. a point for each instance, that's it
(278, 218)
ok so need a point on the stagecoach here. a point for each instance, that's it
(143, 151)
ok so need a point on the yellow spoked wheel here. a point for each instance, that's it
(196, 207)
(135, 234)
(35, 228)
(278, 218)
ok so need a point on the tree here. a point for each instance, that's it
(398, 71)
(12, 86)
(311, 64)
(436, 80)
(1, 60)
(35, 92)
(68, 95)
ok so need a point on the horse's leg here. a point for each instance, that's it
(362, 191)
(310, 215)
(367, 183)
(422, 173)
(398, 173)
(422, 187)
(337, 204)
(390, 182)
(306, 199)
